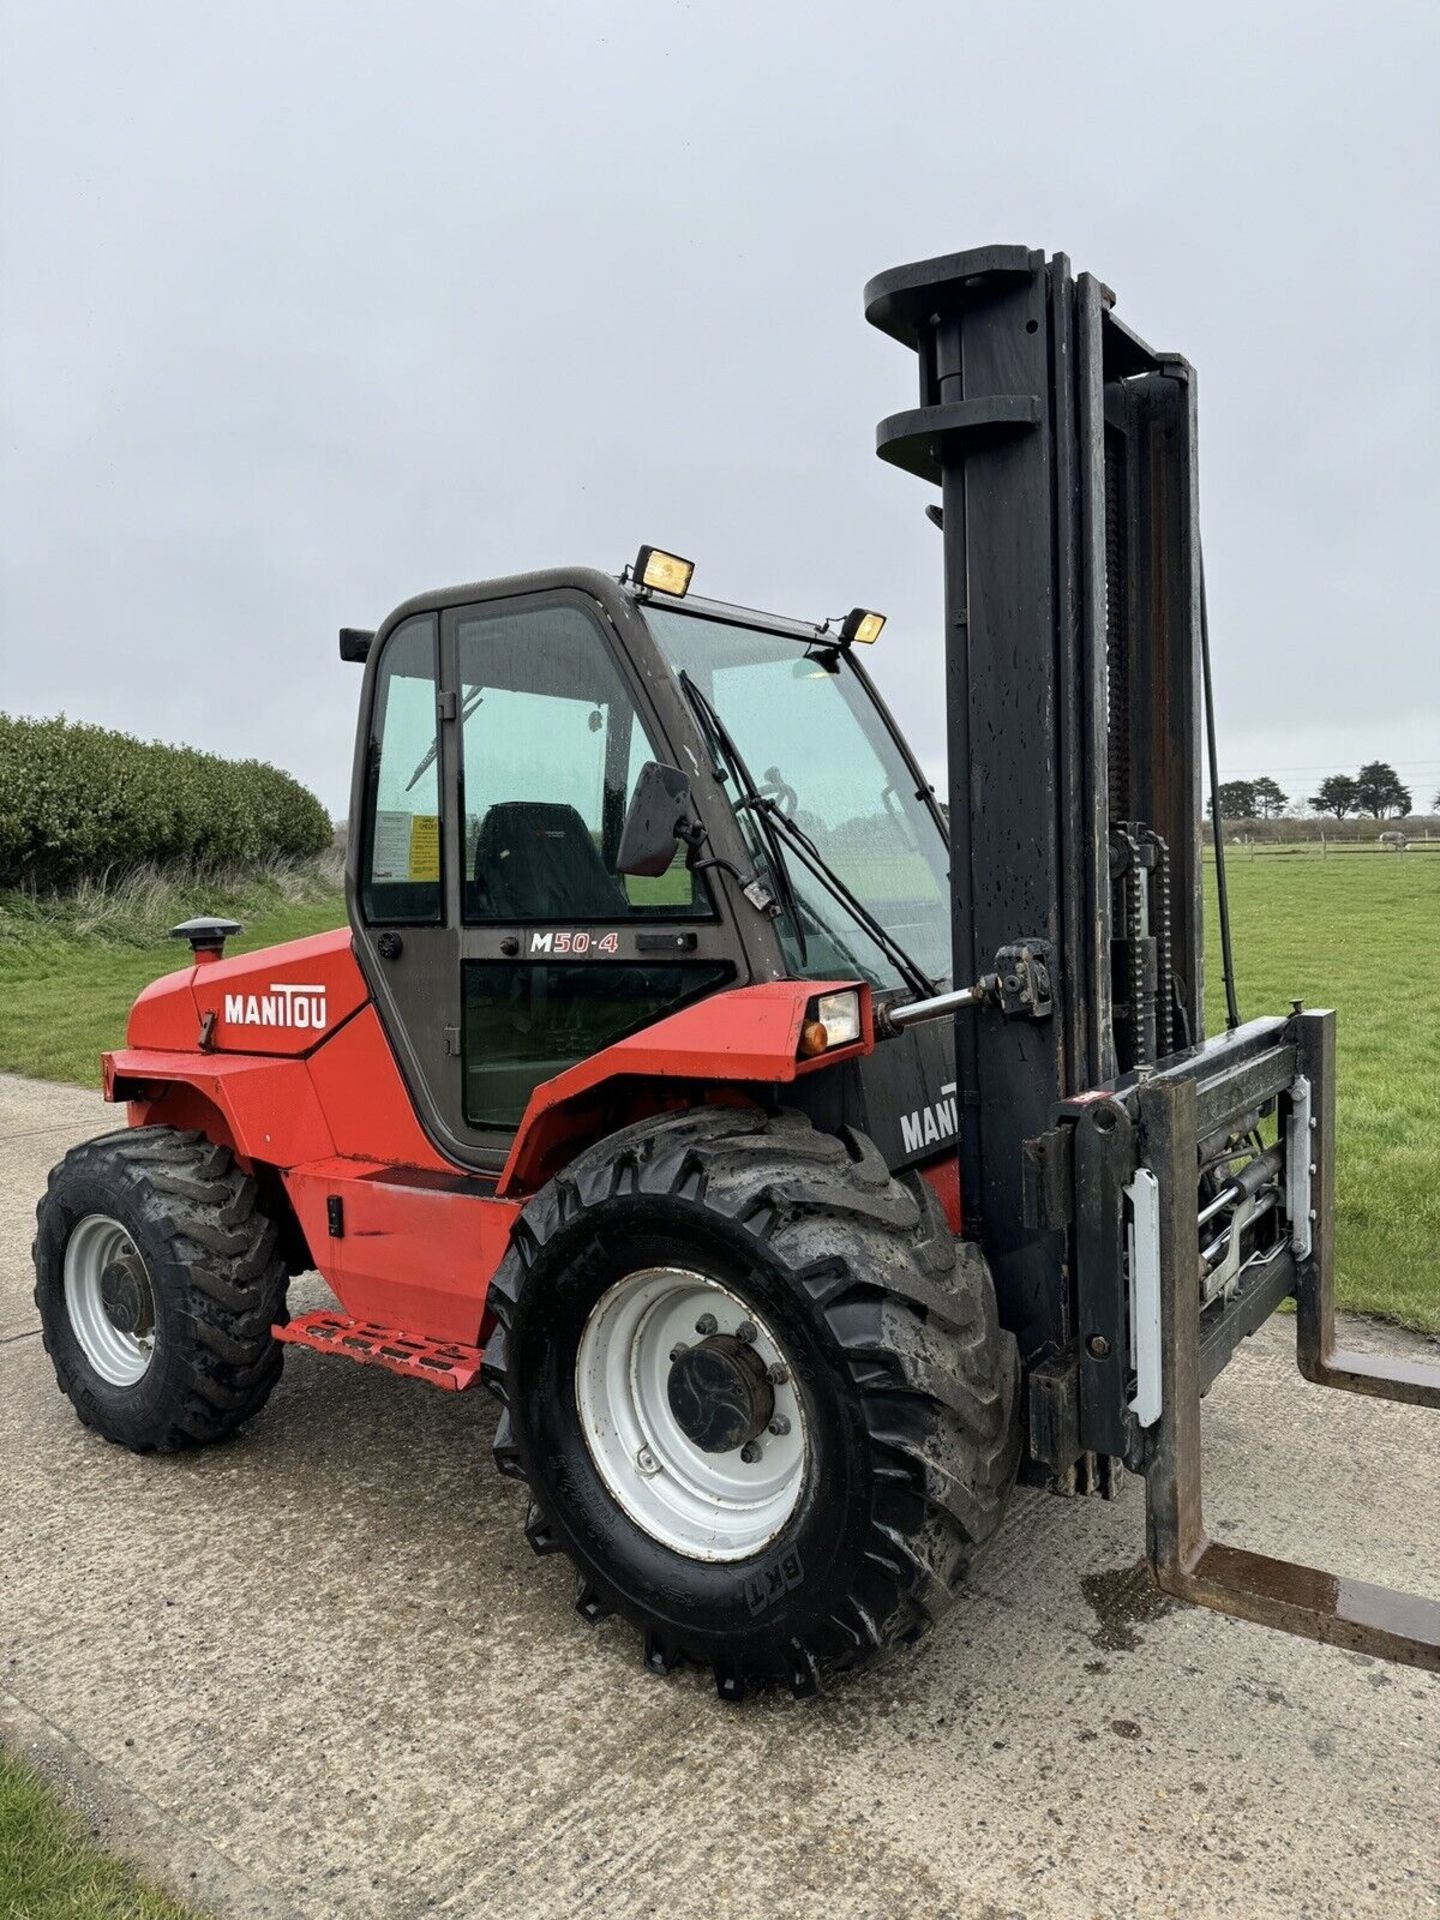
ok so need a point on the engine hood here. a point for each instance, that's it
(281, 1000)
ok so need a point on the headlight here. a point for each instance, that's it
(840, 1015)
(834, 1021)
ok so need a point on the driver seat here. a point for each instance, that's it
(536, 860)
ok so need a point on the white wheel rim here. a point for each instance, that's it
(120, 1358)
(708, 1506)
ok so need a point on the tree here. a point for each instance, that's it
(1338, 795)
(1237, 800)
(1379, 791)
(1270, 800)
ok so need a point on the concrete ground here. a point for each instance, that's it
(317, 1671)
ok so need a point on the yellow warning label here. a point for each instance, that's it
(425, 847)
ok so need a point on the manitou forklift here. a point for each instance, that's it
(795, 1165)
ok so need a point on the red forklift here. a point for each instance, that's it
(795, 1160)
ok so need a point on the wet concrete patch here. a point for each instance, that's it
(1122, 1599)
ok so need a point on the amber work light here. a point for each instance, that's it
(663, 572)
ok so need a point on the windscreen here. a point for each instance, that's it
(814, 743)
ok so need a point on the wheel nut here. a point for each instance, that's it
(678, 1348)
(746, 1331)
(706, 1324)
(780, 1424)
(751, 1452)
(776, 1374)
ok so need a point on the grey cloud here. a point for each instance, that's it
(308, 307)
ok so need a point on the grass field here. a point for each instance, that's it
(48, 1872)
(69, 971)
(1361, 935)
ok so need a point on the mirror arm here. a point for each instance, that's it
(751, 885)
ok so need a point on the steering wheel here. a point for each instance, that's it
(775, 788)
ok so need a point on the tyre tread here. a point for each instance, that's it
(223, 1273)
(938, 1391)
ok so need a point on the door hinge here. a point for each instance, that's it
(445, 706)
(452, 1040)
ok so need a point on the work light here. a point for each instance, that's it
(663, 572)
(862, 625)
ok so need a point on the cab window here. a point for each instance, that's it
(551, 745)
(400, 855)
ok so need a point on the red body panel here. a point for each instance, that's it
(283, 999)
(413, 1253)
(943, 1178)
(748, 1034)
(266, 1110)
(366, 1103)
(309, 1087)
(164, 1013)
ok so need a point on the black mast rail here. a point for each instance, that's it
(1064, 449)
(1110, 1159)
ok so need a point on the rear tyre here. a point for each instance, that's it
(158, 1281)
(757, 1391)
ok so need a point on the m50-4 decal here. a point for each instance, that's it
(578, 942)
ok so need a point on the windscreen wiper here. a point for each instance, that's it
(720, 737)
(476, 695)
(810, 856)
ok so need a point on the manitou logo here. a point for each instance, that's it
(928, 1126)
(283, 1004)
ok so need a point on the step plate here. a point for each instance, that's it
(440, 1363)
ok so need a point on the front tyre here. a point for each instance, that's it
(757, 1391)
(158, 1280)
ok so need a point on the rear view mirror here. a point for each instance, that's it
(661, 811)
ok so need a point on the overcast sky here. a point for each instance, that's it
(308, 307)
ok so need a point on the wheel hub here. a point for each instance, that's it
(109, 1300)
(125, 1297)
(702, 1444)
(720, 1393)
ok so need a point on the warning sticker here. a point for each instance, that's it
(425, 847)
(406, 846)
(390, 858)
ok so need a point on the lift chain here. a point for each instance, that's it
(1127, 867)
(1161, 921)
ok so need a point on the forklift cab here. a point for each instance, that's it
(504, 731)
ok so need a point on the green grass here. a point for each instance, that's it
(48, 1872)
(69, 969)
(1359, 935)
(1356, 934)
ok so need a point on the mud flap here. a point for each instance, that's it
(1292, 1069)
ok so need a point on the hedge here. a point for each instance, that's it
(77, 801)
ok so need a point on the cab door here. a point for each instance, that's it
(503, 944)
(398, 871)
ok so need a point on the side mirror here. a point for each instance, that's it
(661, 811)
